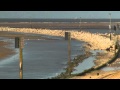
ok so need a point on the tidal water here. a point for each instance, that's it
(45, 58)
(41, 58)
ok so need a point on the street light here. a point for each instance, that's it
(80, 23)
(110, 25)
(110, 22)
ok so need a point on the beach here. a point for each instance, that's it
(111, 71)
(100, 75)
(5, 52)
(93, 41)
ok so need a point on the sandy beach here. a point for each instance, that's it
(93, 41)
(100, 75)
(104, 74)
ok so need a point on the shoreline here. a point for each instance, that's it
(94, 41)
(6, 52)
(71, 65)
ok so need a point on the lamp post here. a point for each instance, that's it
(80, 23)
(110, 22)
(110, 25)
(30, 23)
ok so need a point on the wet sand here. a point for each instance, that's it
(5, 52)
(100, 75)
(56, 25)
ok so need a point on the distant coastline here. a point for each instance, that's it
(59, 24)
(55, 20)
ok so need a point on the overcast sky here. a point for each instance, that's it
(59, 14)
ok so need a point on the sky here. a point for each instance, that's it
(60, 14)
